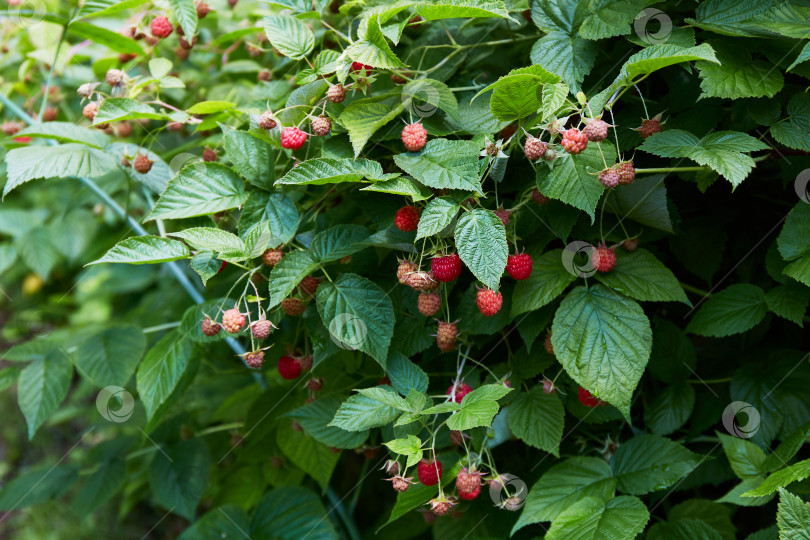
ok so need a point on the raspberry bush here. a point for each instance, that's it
(415, 269)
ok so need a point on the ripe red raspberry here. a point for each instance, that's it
(446, 267)
(233, 321)
(422, 281)
(519, 266)
(547, 344)
(209, 155)
(468, 480)
(503, 215)
(469, 495)
(336, 93)
(627, 172)
(631, 244)
(254, 359)
(359, 66)
(209, 327)
(261, 328)
(603, 259)
(574, 141)
(429, 472)
(161, 27)
(272, 257)
(142, 164)
(596, 130)
(309, 285)
(407, 219)
(650, 126)
(539, 198)
(293, 138)
(288, 367)
(446, 336)
(489, 302)
(588, 399)
(429, 303)
(89, 111)
(414, 137)
(266, 121)
(293, 307)
(321, 126)
(441, 505)
(458, 390)
(405, 269)
(609, 178)
(203, 9)
(534, 148)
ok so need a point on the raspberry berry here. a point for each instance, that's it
(360, 66)
(161, 27)
(574, 141)
(627, 172)
(548, 345)
(293, 138)
(266, 121)
(233, 321)
(534, 148)
(650, 126)
(539, 198)
(142, 164)
(407, 219)
(336, 93)
(209, 155)
(429, 472)
(428, 303)
(114, 77)
(89, 111)
(272, 257)
(405, 269)
(203, 9)
(422, 281)
(549, 387)
(309, 285)
(441, 505)
(321, 126)
(631, 244)
(468, 480)
(293, 307)
(400, 483)
(469, 495)
(289, 368)
(457, 391)
(519, 266)
(603, 259)
(305, 362)
(254, 359)
(11, 128)
(503, 215)
(588, 399)
(489, 302)
(446, 267)
(209, 327)
(596, 130)
(609, 178)
(414, 137)
(446, 336)
(261, 328)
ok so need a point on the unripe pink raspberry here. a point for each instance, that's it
(233, 321)
(414, 137)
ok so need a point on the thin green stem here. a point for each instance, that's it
(670, 170)
(348, 522)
